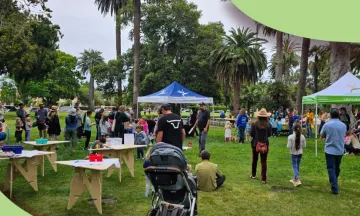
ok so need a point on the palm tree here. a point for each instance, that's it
(87, 60)
(290, 59)
(303, 73)
(270, 32)
(240, 59)
(136, 81)
(251, 94)
(113, 7)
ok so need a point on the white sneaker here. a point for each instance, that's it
(297, 183)
(292, 181)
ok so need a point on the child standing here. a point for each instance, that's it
(140, 139)
(248, 129)
(147, 163)
(227, 131)
(28, 126)
(274, 125)
(296, 142)
(19, 129)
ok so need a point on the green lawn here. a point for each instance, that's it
(238, 196)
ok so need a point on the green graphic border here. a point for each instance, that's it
(327, 20)
(9, 208)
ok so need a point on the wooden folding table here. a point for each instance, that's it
(32, 159)
(93, 183)
(49, 147)
(123, 152)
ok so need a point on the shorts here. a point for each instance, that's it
(41, 126)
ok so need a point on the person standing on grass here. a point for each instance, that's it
(21, 113)
(260, 132)
(334, 132)
(87, 128)
(71, 127)
(203, 123)
(41, 115)
(241, 122)
(120, 119)
(2, 113)
(98, 117)
(170, 128)
(309, 122)
(53, 122)
(296, 143)
(291, 121)
(193, 118)
(344, 117)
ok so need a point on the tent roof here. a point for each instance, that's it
(175, 93)
(345, 90)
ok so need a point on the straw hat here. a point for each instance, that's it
(263, 113)
(54, 108)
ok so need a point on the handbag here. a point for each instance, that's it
(261, 147)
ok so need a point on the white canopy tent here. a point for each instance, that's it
(345, 90)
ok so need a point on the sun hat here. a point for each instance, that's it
(72, 112)
(54, 108)
(263, 113)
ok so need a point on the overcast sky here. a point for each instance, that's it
(84, 27)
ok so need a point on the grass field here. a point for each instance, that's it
(239, 196)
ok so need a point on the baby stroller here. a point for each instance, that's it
(175, 191)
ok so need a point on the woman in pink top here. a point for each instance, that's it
(145, 125)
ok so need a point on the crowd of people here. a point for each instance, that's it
(168, 128)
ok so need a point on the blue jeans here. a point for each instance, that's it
(308, 130)
(27, 135)
(296, 159)
(333, 166)
(202, 140)
(241, 134)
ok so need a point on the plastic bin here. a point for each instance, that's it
(15, 149)
(96, 158)
(41, 141)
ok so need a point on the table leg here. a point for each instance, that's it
(77, 187)
(128, 157)
(9, 178)
(53, 157)
(31, 174)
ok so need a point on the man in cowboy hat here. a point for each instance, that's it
(40, 116)
(203, 123)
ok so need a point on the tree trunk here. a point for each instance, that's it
(91, 94)
(227, 91)
(279, 56)
(340, 65)
(118, 54)
(236, 97)
(136, 85)
(316, 73)
(303, 72)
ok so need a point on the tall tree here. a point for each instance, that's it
(106, 75)
(87, 61)
(241, 52)
(303, 73)
(290, 59)
(137, 21)
(270, 32)
(114, 8)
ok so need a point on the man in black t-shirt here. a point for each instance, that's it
(203, 122)
(170, 128)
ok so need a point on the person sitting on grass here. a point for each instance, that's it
(209, 177)
(352, 144)
(296, 142)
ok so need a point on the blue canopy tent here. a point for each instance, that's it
(176, 94)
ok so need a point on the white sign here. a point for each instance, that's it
(129, 139)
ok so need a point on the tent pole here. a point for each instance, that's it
(316, 132)
(213, 119)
